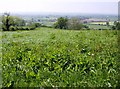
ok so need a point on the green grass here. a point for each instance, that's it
(52, 57)
(0, 59)
(102, 23)
(94, 26)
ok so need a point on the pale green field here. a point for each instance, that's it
(101, 23)
(94, 26)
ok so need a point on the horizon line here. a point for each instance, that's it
(41, 12)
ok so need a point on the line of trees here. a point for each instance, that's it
(71, 24)
(13, 23)
(75, 24)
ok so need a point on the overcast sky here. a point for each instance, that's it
(64, 6)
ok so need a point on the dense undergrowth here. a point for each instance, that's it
(50, 57)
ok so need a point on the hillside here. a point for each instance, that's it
(53, 57)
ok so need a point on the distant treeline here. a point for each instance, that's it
(75, 24)
(13, 23)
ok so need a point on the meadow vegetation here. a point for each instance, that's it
(48, 57)
(67, 54)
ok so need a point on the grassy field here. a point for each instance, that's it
(0, 59)
(102, 23)
(94, 26)
(60, 58)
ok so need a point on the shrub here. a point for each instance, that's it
(113, 27)
(12, 28)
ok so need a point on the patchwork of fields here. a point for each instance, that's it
(52, 57)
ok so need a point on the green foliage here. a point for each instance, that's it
(7, 21)
(59, 58)
(13, 23)
(18, 21)
(61, 23)
(74, 24)
(113, 28)
(115, 22)
(35, 25)
(118, 25)
(93, 26)
(12, 28)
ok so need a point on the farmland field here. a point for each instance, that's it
(94, 26)
(60, 58)
(102, 23)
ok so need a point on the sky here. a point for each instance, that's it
(60, 6)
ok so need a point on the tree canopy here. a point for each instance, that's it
(13, 23)
(61, 23)
(75, 24)
(65, 23)
(8, 21)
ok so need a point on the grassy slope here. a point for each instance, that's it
(51, 57)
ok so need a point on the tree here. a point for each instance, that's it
(6, 22)
(113, 27)
(35, 25)
(10, 22)
(74, 23)
(61, 23)
(18, 21)
(118, 25)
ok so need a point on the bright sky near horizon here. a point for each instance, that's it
(64, 6)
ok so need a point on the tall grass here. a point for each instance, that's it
(60, 58)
